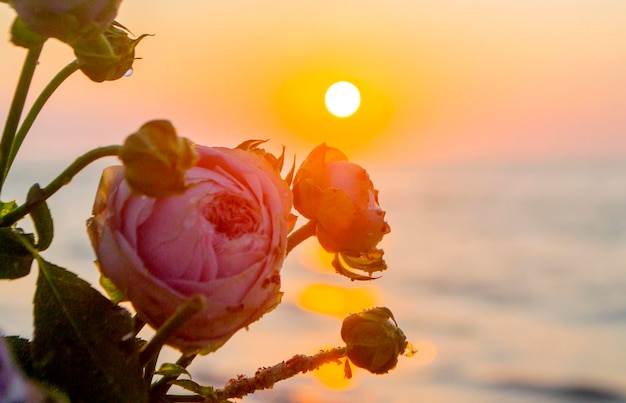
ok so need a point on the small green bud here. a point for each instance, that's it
(156, 160)
(373, 340)
(109, 56)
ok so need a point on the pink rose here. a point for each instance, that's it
(67, 20)
(224, 238)
(341, 198)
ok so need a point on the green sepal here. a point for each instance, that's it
(22, 36)
(15, 259)
(42, 219)
(369, 262)
(114, 294)
(83, 343)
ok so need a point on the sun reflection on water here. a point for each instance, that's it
(332, 376)
(337, 301)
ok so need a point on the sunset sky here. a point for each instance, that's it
(446, 81)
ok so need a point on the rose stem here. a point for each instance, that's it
(186, 311)
(301, 234)
(15, 111)
(265, 378)
(63, 179)
(38, 105)
(138, 324)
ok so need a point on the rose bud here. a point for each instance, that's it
(156, 159)
(109, 56)
(224, 238)
(340, 196)
(373, 340)
(68, 20)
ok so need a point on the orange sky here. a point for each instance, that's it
(447, 81)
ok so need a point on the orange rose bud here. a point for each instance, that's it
(156, 159)
(373, 340)
(340, 196)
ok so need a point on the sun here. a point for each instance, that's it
(342, 99)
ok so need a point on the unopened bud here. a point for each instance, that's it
(109, 56)
(156, 159)
(373, 340)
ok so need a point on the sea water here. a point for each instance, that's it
(511, 278)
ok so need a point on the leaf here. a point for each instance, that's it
(204, 391)
(7, 207)
(41, 217)
(15, 259)
(82, 342)
(172, 370)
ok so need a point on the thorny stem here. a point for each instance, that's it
(301, 234)
(265, 378)
(15, 112)
(63, 179)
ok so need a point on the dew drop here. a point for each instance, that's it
(129, 72)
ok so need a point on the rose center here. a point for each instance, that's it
(231, 215)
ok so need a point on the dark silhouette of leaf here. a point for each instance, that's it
(83, 343)
(15, 259)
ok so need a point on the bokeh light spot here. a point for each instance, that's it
(312, 256)
(426, 352)
(337, 301)
(333, 377)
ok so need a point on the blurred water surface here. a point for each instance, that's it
(510, 280)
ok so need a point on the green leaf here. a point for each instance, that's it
(82, 342)
(41, 217)
(204, 391)
(172, 370)
(15, 259)
(7, 207)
